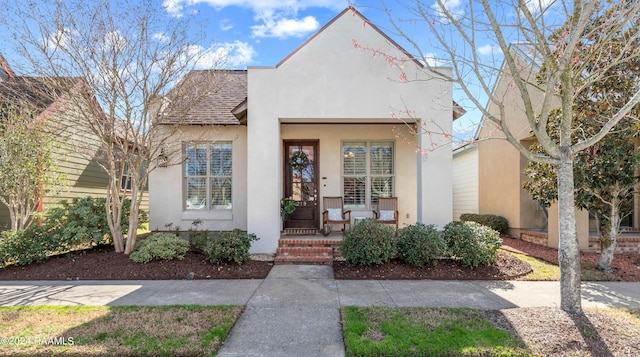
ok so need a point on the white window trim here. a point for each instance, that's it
(208, 212)
(368, 205)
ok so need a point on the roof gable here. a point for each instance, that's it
(353, 12)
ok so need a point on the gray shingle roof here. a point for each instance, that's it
(209, 97)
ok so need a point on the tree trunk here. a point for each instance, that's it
(113, 208)
(568, 253)
(608, 244)
(14, 220)
(132, 234)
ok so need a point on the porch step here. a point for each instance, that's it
(307, 251)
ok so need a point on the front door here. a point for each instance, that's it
(301, 183)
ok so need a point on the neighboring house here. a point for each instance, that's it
(331, 99)
(501, 167)
(465, 180)
(78, 149)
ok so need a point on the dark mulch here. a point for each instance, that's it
(102, 263)
(506, 267)
(626, 267)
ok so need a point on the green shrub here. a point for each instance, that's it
(230, 246)
(368, 242)
(84, 221)
(26, 246)
(419, 244)
(493, 221)
(81, 222)
(472, 243)
(199, 240)
(160, 246)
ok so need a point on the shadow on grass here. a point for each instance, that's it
(589, 332)
(179, 330)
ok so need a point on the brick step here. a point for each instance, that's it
(297, 242)
(302, 255)
(303, 260)
(312, 243)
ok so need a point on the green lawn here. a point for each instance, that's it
(383, 331)
(122, 331)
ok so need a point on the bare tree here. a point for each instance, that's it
(575, 52)
(27, 168)
(123, 59)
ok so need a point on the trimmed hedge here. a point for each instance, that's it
(495, 222)
(160, 246)
(368, 242)
(230, 246)
(471, 243)
(419, 244)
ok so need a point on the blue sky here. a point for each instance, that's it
(258, 32)
(263, 32)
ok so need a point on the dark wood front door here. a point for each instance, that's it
(301, 182)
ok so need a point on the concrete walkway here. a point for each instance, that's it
(295, 310)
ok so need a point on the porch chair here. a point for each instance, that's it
(387, 211)
(334, 213)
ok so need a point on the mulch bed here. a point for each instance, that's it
(626, 267)
(506, 267)
(102, 263)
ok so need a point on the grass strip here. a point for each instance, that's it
(384, 331)
(122, 330)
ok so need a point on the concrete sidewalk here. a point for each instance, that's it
(295, 310)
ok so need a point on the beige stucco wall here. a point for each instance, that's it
(582, 226)
(329, 80)
(166, 184)
(500, 163)
(501, 168)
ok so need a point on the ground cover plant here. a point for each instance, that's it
(119, 331)
(543, 331)
(384, 331)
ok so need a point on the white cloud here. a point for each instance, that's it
(433, 61)
(161, 37)
(454, 8)
(226, 25)
(283, 27)
(489, 50)
(175, 7)
(229, 55)
(536, 6)
(275, 18)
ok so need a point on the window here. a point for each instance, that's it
(125, 180)
(207, 170)
(368, 172)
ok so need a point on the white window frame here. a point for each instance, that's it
(368, 175)
(208, 177)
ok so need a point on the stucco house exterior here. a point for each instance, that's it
(501, 167)
(77, 151)
(465, 180)
(332, 100)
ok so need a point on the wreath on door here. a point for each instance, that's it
(299, 160)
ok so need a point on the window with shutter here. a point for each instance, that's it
(367, 173)
(208, 176)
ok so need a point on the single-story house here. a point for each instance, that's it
(78, 163)
(501, 170)
(348, 113)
